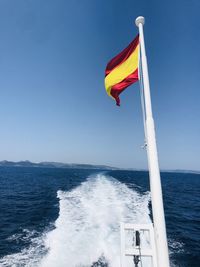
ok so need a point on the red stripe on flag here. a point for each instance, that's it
(117, 89)
(121, 57)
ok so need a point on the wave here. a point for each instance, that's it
(30, 256)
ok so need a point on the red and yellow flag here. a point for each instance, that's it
(122, 70)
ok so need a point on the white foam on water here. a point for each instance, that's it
(88, 225)
(87, 229)
(30, 256)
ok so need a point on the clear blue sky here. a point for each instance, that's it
(53, 105)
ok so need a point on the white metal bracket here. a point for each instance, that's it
(145, 251)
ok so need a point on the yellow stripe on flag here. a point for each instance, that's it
(122, 71)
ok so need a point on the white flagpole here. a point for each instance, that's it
(154, 172)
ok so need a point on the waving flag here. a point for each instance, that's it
(122, 70)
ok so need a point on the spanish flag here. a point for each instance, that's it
(122, 70)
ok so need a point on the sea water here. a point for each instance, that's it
(71, 218)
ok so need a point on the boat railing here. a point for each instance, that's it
(138, 245)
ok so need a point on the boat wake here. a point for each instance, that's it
(87, 230)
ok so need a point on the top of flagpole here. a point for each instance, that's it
(139, 20)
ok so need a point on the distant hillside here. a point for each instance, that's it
(27, 163)
(182, 171)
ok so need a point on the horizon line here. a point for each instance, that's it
(100, 165)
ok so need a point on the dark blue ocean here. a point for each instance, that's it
(70, 217)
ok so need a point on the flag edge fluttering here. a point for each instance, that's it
(122, 70)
